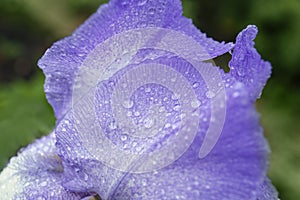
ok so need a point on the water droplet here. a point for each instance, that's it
(177, 107)
(127, 104)
(161, 109)
(77, 121)
(142, 2)
(186, 138)
(124, 137)
(44, 184)
(207, 187)
(143, 24)
(148, 90)
(112, 162)
(160, 9)
(238, 85)
(129, 114)
(137, 113)
(134, 144)
(124, 85)
(144, 182)
(148, 122)
(112, 126)
(85, 177)
(195, 85)
(168, 125)
(118, 60)
(183, 115)
(124, 3)
(210, 94)
(195, 103)
(175, 96)
(235, 94)
(241, 72)
(151, 11)
(138, 148)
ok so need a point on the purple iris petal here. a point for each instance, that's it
(246, 64)
(142, 114)
(267, 192)
(233, 170)
(36, 173)
(63, 59)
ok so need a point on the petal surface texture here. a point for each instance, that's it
(234, 169)
(36, 173)
(246, 64)
(143, 113)
(61, 62)
(268, 191)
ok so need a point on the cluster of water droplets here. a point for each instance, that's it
(142, 99)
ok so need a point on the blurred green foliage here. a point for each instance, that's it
(24, 115)
(28, 27)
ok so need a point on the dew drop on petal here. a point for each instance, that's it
(144, 182)
(111, 83)
(127, 104)
(124, 85)
(148, 123)
(176, 107)
(210, 94)
(124, 137)
(195, 85)
(148, 90)
(138, 148)
(142, 2)
(173, 79)
(168, 125)
(175, 96)
(151, 11)
(161, 109)
(44, 184)
(129, 114)
(112, 126)
(137, 113)
(241, 72)
(85, 177)
(235, 94)
(124, 3)
(195, 103)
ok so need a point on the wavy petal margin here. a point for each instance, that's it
(268, 191)
(246, 64)
(36, 173)
(61, 62)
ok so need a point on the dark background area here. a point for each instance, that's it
(29, 27)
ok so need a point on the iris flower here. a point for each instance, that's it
(143, 113)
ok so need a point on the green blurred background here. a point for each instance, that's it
(29, 27)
